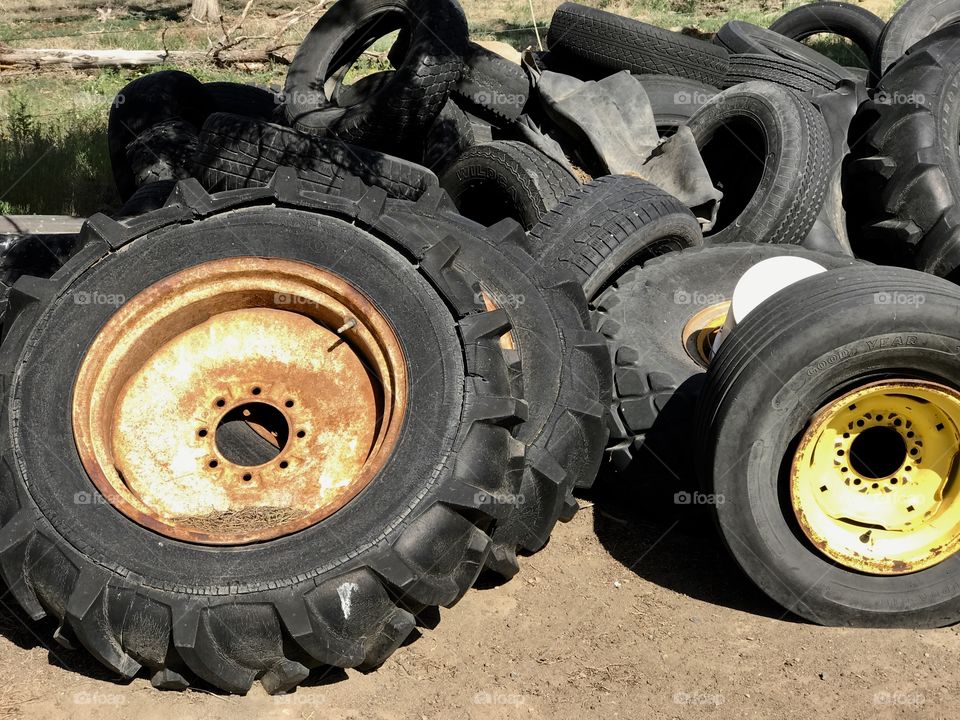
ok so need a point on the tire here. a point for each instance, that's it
(237, 152)
(145, 102)
(450, 136)
(560, 368)
(674, 100)
(506, 179)
(904, 183)
(616, 43)
(165, 151)
(774, 191)
(739, 38)
(815, 341)
(493, 87)
(786, 72)
(645, 318)
(414, 538)
(240, 99)
(147, 198)
(37, 255)
(608, 225)
(856, 24)
(914, 21)
(399, 114)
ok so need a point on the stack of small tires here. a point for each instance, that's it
(347, 345)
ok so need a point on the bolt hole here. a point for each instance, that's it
(875, 486)
(856, 481)
(893, 481)
(846, 435)
(859, 423)
(840, 452)
(879, 417)
(213, 463)
(301, 434)
(284, 464)
(256, 391)
(248, 477)
(898, 422)
(221, 402)
(910, 434)
(844, 469)
(288, 403)
(908, 468)
(203, 432)
(913, 451)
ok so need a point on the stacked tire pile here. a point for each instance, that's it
(345, 347)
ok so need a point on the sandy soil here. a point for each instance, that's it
(632, 611)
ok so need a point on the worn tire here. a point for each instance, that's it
(145, 102)
(165, 151)
(237, 152)
(769, 151)
(786, 72)
(913, 22)
(612, 42)
(856, 24)
(241, 99)
(804, 347)
(608, 225)
(416, 537)
(449, 137)
(493, 87)
(656, 380)
(399, 113)
(674, 99)
(559, 366)
(506, 179)
(903, 187)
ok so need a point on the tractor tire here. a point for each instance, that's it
(654, 319)
(147, 198)
(398, 115)
(506, 179)
(613, 43)
(607, 226)
(183, 600)
(821, 358)
(237, 152)
(903, 186)
(769, 151)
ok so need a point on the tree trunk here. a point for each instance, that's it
(205, 10)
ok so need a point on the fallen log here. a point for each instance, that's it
(84, 59)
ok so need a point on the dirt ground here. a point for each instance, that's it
(632, 611)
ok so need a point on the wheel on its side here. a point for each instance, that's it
(830, 436)
(273, 430)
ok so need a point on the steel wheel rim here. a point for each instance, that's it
(873, 480)
(221, 351)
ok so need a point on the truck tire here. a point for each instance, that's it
(237, 152)
(769, 151)
(914, 21)
(614, 43)
(506, 179)
(608, 225)
(402, 110)
(856, 24)
(183, 599)
(674, 99)
(866, 356)
(786, 72)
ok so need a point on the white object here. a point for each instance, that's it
(760, 282)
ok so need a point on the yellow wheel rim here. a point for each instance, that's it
(873, 479)
(701, 330)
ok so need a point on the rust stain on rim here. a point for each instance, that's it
(239, 400)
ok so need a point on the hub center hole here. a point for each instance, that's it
(252, 434)
(877, 452)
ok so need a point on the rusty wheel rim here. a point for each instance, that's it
(239, 400)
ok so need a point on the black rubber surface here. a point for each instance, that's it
(787, 72)
(811, 342)
(903, 187)
(147, 198)
(674, 99)
(241, 99)
(493, 86)
(398, 115)
(451, 135)
(914, 21)
(506, 179)
(657, 381)
(237, 152)
(616, 43)
(416, 537)
(604, 227)
(769, 151)
(857, 24)
(164, 151)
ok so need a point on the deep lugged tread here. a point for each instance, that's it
(617, 43)
(180, 631)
